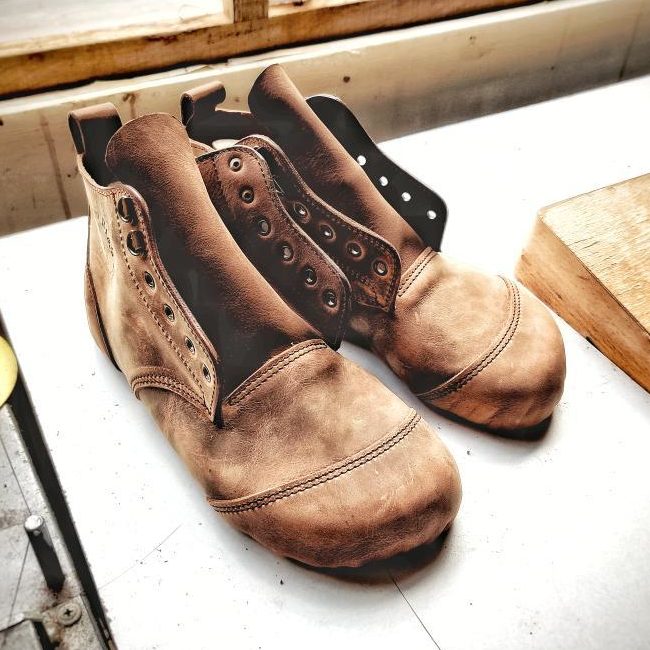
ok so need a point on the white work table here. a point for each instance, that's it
(551, 548)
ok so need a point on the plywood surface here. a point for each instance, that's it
(550, 546)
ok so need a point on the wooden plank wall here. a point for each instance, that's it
(397, 82)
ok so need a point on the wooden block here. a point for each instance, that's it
(240, 11)
(589, 260)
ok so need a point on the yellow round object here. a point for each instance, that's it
(8, 370)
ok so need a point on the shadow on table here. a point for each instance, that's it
(528, 434)
(387, 571)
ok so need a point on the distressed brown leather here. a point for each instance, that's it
(295, 445)
(475, 345)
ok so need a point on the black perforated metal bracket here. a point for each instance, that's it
(420, 206)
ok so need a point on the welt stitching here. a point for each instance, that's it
(97, 190)
(160, 327)
(414, 267)
(326, 476)
(254, 383)
(491, 356)
(415, 273)
(102, 221)
(355, 231)
(147, 380)
(280, 208)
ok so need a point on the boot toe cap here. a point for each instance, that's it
(519, 381)
(401, 492)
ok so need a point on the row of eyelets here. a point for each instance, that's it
(383, 181)
(301, 211)
(329, 298)
(379, 267)
(287, 252)
(354, 249)
(309, 276)
(327, 232)
(263, 227)
(247, 195)
(126, 210)
(135, 244)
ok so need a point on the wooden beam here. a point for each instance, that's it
(239, 11)
(37, 64)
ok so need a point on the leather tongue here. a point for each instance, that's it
(324, 163)
(239, 312)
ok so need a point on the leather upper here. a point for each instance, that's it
(475, 345)
(296, 446)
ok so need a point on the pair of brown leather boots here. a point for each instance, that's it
(221, 281)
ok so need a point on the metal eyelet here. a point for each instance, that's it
(309, 276)
(247, 195)
(329, 298)
(206, 374)
(263, 227)
(190, 345)
(169, 312)
(383, 181)
(327, 232)
(354, 249)
(235, 164)
(300, 211)
(148, 278)
(380, 267)
(126, 209)
(287, 252)
(361, 159)
(135, 243)
(431, 214)
(406, 197)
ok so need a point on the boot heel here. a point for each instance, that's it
(95, 319)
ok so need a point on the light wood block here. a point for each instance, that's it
(589, 260)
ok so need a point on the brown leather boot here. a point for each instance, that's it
(474, 345)
(296, 446)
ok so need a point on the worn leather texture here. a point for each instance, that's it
(477, 346)
(296, 446)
